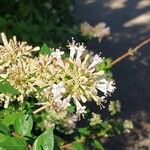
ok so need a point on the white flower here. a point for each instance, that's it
(83, 98)
(100, 31)
(66, 102)
(80, 49)
(106, 87)
(58, 89)
(96, 60)
(6, 103)
(86, 29)
(72, 47)
(80, 109)
(57, 54)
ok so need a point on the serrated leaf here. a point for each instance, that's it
(45, 141)
(84, 131)
(5, 87)
(98, 145)
(23, 124)
(77, 146)
(4, 129)
(13, 143)
(45, 50)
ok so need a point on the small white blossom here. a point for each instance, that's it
(58, 89)
(96, 60)
(128, 126)
(57, 54)
(72, 47)
(80, 109)
(80, 49)
(83, 98)
(106, 87)
(6, 103)
(66, 102)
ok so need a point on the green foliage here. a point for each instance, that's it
(23, 124)
(105, 65)
(14, 143)
(4, 129)
(97, 145)
(77, 146)
(84, 131)
(45, 50)
(71, 109)
(47, 22)
(45, 141)
(38, 21)
(9, 117)
(5, 87)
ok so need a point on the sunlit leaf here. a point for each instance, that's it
(13, 143)
(45, 50)
(23, 124)
(45, 141)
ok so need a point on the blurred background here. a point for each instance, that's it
(55, 21)
(129, 21)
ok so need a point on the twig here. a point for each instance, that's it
(29, 147)
(15, 134)
(41, 108)
(131, 51)
(66, 146)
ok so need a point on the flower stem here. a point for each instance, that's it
(66, 146)
(131, 51)
(29, 147)
(41, 108)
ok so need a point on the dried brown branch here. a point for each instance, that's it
(131, 51)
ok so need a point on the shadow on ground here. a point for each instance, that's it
(130, 24)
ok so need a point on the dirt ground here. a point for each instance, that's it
(130, 24)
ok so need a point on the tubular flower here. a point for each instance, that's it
(13, 51)
(55, 81)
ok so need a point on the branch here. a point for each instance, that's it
(41, 108)
(66, 146)
(29, 147)
(130, 52)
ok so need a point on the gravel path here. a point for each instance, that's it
(130, 24)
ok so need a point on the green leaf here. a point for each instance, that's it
(77, 146)
(84, 131)
(2, 148)
(4, 129)
(23, 124)
(45, 141)
(106, 64)
(3, 137)
(71, 109)
(10, 118)
(5, 87)
(98, 145)
(57, 141)
(45, 50)
(13, 143)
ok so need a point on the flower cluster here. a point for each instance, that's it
(114, 107)
(128, 125)
(56, 82)
(96, 119)
(98, 31)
